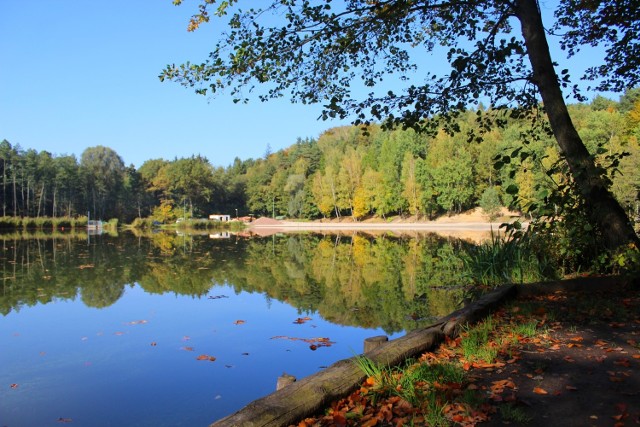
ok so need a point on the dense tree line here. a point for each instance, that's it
(344, 172)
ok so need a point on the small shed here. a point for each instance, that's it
(219, 217)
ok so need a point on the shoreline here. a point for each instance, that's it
(476, 231)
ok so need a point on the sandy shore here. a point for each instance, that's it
(472, 225)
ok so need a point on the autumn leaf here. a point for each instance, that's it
(301, 320)
(538, 390)
(239, 322)
(14, 386)
(186, 348)
(153, 344)
(65, 420)
(622, 362)
(622, 407)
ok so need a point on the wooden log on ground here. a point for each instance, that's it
(375, 342)
(285, 380)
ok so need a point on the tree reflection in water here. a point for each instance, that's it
(396, 283)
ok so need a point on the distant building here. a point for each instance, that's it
(221, 235)
(218, 217)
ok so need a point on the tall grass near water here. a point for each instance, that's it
(41, 223)
(509, 258)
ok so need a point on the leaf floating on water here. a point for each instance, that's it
(301, 320)
(14, 386)
(138, 322)
(206, 357)
(82, 267)
(118, 333)
(186, 338)
(65, 420)
(239, 322)
(186, 348)
(245, 354)
(217, 296)
(153, 344)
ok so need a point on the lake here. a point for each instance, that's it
(180, 330)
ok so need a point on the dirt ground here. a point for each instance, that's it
(580, 367)
(585, 370)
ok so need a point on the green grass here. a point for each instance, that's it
(434, 413)
(513, 413)
(476, 344)
(411, 380)
(41, 223)
(506, 259)
(527, 330)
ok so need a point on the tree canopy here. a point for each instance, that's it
(340, 54)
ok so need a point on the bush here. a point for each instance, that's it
(490, 203)
(143, 223)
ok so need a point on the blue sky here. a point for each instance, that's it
(78, 73)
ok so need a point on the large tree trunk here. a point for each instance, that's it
(604, 209)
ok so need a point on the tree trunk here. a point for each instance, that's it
(603, 209)
(15, 196)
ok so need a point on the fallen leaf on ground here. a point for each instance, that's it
(622, 362)
(538, 390)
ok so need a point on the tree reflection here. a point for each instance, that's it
(397, 283)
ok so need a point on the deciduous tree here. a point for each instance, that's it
(333, 52)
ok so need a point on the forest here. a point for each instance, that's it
(347, 171)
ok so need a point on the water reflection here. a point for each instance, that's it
(97, 319)
(384, 281)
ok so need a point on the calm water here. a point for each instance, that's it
(107, 331)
